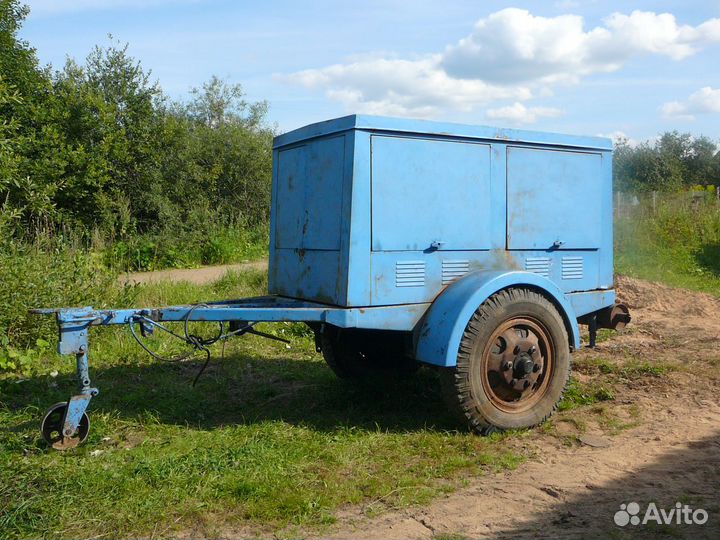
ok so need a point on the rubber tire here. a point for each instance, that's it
(478, 411)
(360, 354)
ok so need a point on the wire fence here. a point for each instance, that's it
(631, 204)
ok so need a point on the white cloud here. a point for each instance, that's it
(512, 45)
(517, 113)
(706, 100)
(510, 55)
(620, 136)
(417, 88)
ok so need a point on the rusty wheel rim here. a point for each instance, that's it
(517, 364)
(52, 425)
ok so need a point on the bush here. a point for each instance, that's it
(211, 243)
(49, 274)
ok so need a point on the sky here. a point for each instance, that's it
(609, 68)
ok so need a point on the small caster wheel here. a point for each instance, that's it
(52, 426)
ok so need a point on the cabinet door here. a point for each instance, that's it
(426, 191)
(553, 199)
(309, 195)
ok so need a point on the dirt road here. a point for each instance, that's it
(205, 274)
(568, 489)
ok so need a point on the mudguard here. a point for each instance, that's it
(440, 331)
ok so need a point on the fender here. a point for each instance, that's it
(441, 329)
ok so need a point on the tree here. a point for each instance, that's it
(701, 163)
(218, 103)
(22, 113)
(674, 161)
(110, 124)
(98, 146)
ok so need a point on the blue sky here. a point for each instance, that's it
(591, 67)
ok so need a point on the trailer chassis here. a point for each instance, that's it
(66, 424)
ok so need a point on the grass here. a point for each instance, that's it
(629, 368)
(268, 440)
(579, 394)
(170, 248)
(677, 244)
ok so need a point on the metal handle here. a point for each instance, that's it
(436, 244)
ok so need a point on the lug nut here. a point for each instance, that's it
(507, 365)
(526, 384)
(532, 350)
(513, 382)
(536, 368)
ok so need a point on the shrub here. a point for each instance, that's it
(49, 274)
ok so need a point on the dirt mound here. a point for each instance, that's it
(646, 295)
(666, 313)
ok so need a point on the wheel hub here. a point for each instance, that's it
(517, 362)
(523, 365)
(522, 360)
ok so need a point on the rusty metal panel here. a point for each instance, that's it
(553, 199)
(309, 195)
(430, 194)
(308, 220)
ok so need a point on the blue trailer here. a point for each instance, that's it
(400, 242)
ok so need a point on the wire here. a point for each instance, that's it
(198, 343)
(140, 319)
(202, 369)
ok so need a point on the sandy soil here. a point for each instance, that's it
(205, 274)
(569, 489)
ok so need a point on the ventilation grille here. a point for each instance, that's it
(572, 267)
(453, 269)
(410, 274)
(538, 265)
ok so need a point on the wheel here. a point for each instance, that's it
(52, 426)
(357, 354)
(513, 363)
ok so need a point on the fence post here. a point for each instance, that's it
(654, 200)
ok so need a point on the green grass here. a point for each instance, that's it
(678, 244)
(268, 439)
(624, 368)
(170, 248)
(579, 394)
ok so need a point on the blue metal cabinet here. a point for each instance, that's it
(308, 205)
(373, 211)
